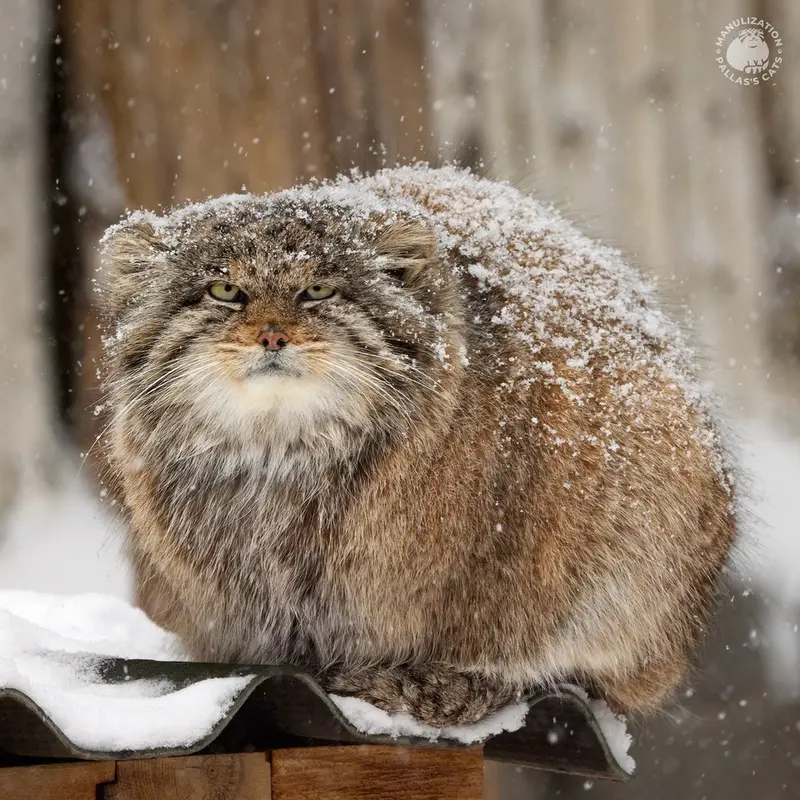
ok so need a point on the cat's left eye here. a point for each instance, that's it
(227, 292)
(316, 292)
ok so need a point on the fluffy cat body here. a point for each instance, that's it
(483, 465)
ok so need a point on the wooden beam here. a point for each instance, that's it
(243, 776)
(377, 773)
(56, 781)
(312, 773)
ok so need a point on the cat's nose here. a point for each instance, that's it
(272, 339)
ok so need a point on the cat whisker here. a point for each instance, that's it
(118, 414)
(344, 366)
(374, 364)
(361, 378)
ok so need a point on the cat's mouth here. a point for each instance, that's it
(271, 364)
(267, 369)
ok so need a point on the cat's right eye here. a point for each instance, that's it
(315, 293)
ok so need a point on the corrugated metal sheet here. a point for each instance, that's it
(282, 707)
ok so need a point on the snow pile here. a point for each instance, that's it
(45, 641)
(614, 730)
(87, 623)
(615, 733)
(374, 721)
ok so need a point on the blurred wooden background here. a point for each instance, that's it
(613, 109)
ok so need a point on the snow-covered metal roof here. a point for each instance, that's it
(279, 706)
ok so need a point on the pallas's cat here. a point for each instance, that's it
(414, 433)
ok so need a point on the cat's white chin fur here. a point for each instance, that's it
(288, 405)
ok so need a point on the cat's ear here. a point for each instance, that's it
(127, 253)
(406, 248)
(131, 247)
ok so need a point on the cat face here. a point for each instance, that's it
(287, 317)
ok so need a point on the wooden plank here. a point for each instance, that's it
(55, 781)
(219, 777)
(377, 773)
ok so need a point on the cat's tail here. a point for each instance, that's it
(433, 693)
